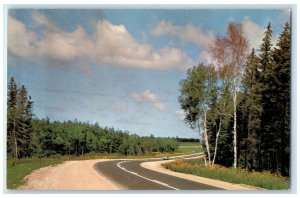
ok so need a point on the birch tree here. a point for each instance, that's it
(197, 91)
(230, 53)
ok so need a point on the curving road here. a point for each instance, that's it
(130, 174)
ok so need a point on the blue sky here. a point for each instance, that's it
(119, 68)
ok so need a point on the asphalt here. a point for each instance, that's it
(131, 175)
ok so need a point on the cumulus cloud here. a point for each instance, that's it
(148, 96)
(180, 114)
(188, 33)
(110, 44)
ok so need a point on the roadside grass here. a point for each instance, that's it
(239, 176)
(18, 169)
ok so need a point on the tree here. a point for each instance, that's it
(12, 145)
(252, 92)
(230, 53)
(19, 116)
(23, 116)
(197, 93)
(282, 59)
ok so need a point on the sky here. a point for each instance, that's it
(119, 67)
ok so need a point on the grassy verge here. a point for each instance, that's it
(18, 169)
(239, 176)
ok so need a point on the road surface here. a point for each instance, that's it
(132, 176)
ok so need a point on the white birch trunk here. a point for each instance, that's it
(206, 140)
(234, 124)
(217, 139)
(205, 162)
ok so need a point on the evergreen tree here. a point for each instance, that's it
(266, 137)
(12, 147)
(19, 121)
(252, 92)
(24, 122)
(282, 81)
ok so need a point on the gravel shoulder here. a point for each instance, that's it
(71, 175)
(156, 166)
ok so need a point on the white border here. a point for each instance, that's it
(165, 4)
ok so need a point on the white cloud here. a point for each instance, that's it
(180, 114)
(188, 33)
(109, 44)
(148, 96)
(255, 33)
(41, 20)
(20, 40)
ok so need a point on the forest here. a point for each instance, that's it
(29, 136)
(240, 103)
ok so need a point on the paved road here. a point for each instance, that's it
(134, 177)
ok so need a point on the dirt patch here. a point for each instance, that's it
(71, 175)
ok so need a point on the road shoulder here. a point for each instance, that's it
(156, 166)
(71, 175)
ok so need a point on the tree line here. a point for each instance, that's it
(240, 104)
(29, 136)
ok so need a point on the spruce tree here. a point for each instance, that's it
(12, 147)
(282, 81)
(24, 114)
(253, 90)
(19, 121)
(266, 137)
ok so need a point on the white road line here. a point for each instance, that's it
(152, 180)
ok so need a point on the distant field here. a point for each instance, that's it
(189, 144)
(189, 147)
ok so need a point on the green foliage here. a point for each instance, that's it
(77, 138)
(197, 93)
(239, 176)
(19, 121)
(263, 106)
(266, 106)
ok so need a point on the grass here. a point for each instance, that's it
(189, 144)
(239, 176)
(189, 147)
(18, 169)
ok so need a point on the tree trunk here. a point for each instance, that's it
(234, 124)
(217, 138)
(206, 139)
(205, 162)
(15, 139)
